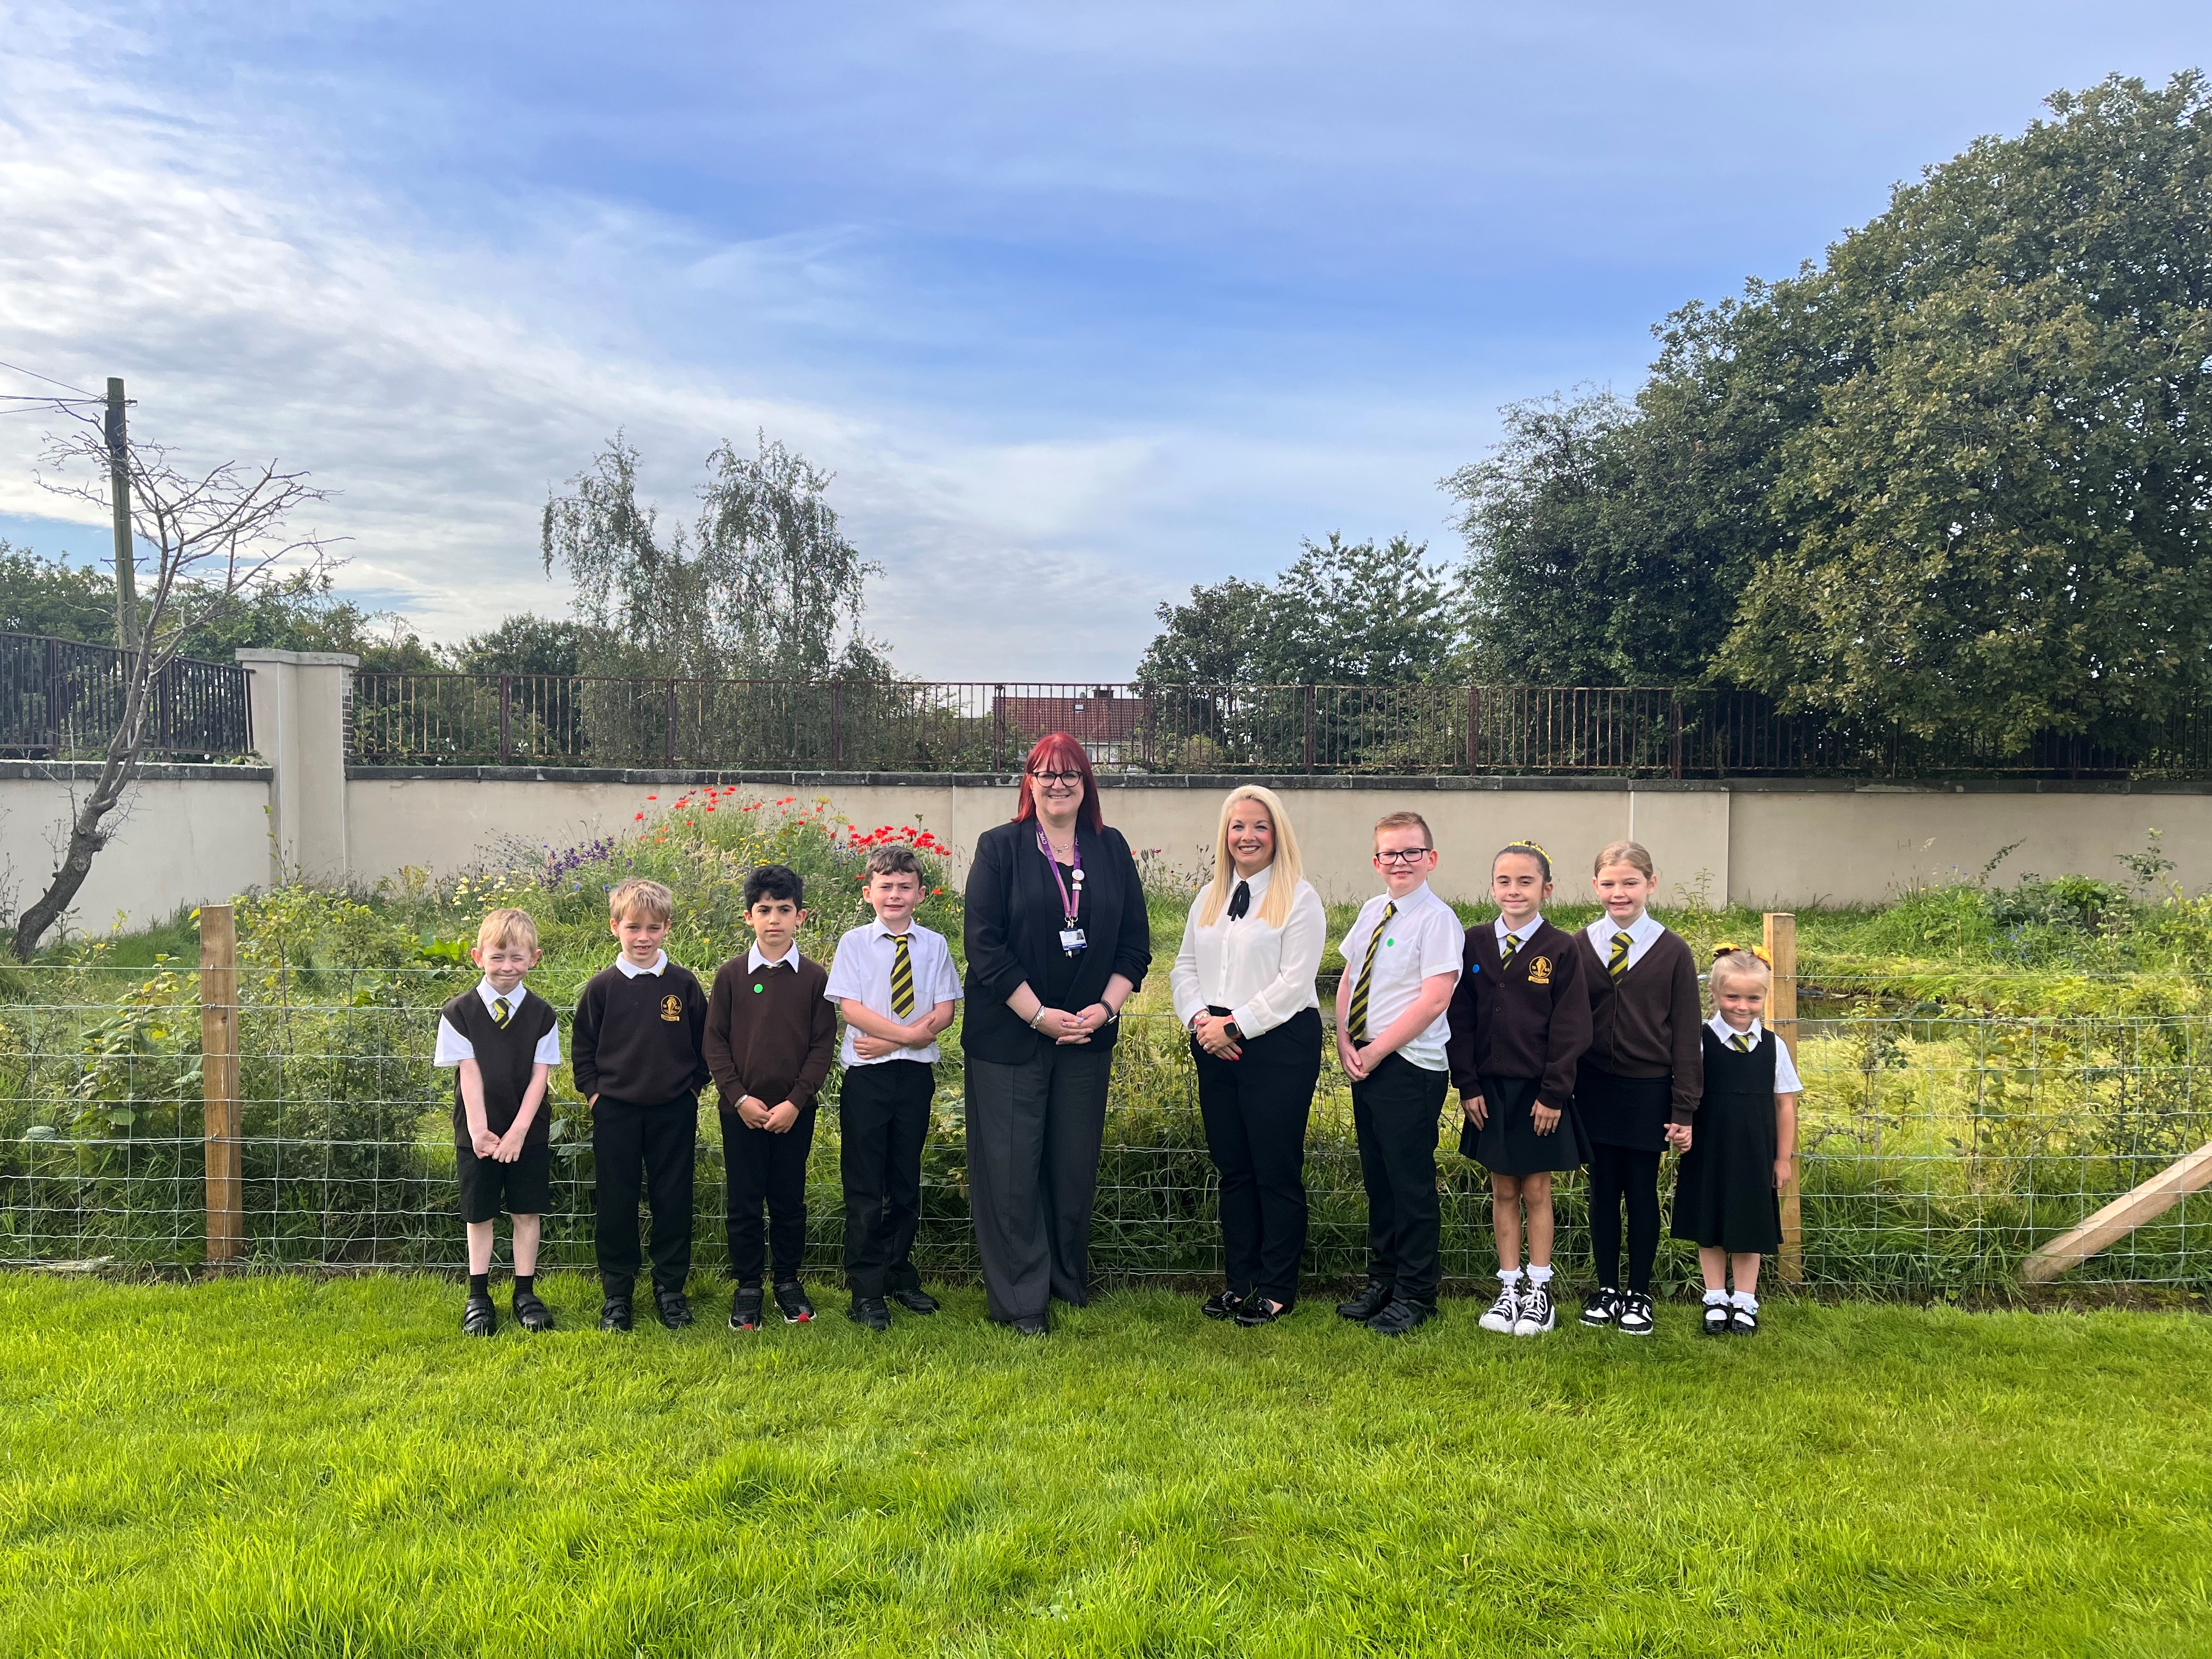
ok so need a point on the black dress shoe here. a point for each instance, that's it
(916, 1300)
(1369, 1302)
(530, 1311)
(870, 1310)
(478, 1316)
(1400, 1316)
(1262, 1311)
(674, 1308)
(1222, 1304)
(1033, 1325)
(791, 1301)
(614, 1314)
(745, 1309)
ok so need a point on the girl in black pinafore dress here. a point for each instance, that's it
(1726, 1191)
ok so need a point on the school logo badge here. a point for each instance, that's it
(1540, 971)
(671, 1008)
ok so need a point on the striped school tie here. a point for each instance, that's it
(1365, 982)
(1619, 964)
(1742, 1041)
(500, 1012)
(1506, 947)
(902, 978)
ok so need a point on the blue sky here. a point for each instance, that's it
(1082, 306)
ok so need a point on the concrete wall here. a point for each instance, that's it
(1756, 842)
(184, 835)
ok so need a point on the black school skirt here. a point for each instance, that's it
(1508, 1143)
(1624, 1111)
(1724, 1194)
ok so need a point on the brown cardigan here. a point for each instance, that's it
(1532, 1020)
(770, 1035)
(1649, 1022)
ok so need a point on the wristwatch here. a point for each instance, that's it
(1235, 1035)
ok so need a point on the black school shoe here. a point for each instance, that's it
(915, 1300)
(478, 1316)
(1716, 1322)
(870, 1311)
(1603, 1307)
(530, 1311)
(1262, 1311)
(1400, 1316)
(1743, 1322)
(1369, 1303)
(1222, 1304)
(745, 1309)
(791, 1299)
(614, 1314)
(674, 1308)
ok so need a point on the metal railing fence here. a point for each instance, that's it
(61, 700)
(1937, 1153)
(987, 726)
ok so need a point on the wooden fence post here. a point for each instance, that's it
(225, 1204)
(1782, 1017)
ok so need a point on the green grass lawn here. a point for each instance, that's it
(280, 1465)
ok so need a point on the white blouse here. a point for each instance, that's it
(1261, 975)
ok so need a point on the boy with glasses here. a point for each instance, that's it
(1402, 961)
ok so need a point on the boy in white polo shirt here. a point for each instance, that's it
(895, 982)
(1402, 960)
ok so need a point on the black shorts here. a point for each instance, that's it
(487, 1186)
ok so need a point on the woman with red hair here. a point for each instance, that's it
(1057, 940)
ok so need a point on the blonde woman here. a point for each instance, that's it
(1243, 985)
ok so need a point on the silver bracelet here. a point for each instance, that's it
(1036, 1016)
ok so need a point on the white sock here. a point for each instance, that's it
(1509, 1277)
(1716, 1298)
(1538, 1277)
(1747, 1301)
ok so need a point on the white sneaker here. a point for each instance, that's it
(1537, 1313)
(1503, 1313)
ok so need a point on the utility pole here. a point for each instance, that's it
(119, 477)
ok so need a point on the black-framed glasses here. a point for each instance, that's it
(1057, 777)
(1404, 856)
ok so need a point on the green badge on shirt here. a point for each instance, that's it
(1389, 941)
(757, 989)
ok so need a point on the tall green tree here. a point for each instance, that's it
(763, 584)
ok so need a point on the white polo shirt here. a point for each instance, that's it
(862, 971)
(1786, 1080)
(1424, 939)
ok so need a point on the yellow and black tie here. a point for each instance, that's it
(902, 978)
(1365, 982)
(1506, 947)
(1742, 1041)
(500, 1012)
(1619, 963)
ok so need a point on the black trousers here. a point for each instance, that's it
(1394, 1114)
(760, 1167)
(1033, 1132)
(650, 1151)
(1618, 1174)
(882, 1113)
(1255, 1109)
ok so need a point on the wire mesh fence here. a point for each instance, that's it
(1937, 1153)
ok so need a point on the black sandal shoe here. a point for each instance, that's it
(1262, 1311)
(1222, 1304)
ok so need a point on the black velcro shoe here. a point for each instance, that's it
(915, 1300)
(1603, 1307)
(1742, 1321)
(478, 1316)
(1369, 1303)
(614, 1314)
(674, 1308)
(1262, 1311)
(1400, 1316)
(1715, 1320)
(870, 1312)
(791, 1299)
(745, 1309)
(530, 1312)
(1222, 1304)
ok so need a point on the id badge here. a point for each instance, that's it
(1072, 939)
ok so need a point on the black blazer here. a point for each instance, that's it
(1012, 927)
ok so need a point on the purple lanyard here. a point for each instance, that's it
(1068, 902)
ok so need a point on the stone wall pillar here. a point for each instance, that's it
(298, 700)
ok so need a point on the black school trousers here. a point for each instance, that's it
(1394, 1112)
(649, 1151)
(882, 1113)
(761, 1168)
(1255, 1109)
(1035, 1130)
